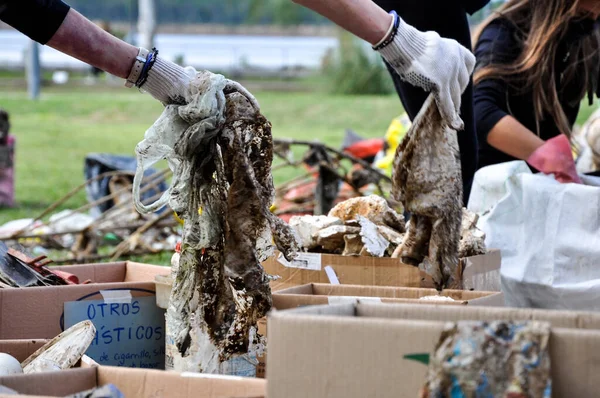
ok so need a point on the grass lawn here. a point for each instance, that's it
(55, 133)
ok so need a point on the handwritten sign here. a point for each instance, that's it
(130, 334)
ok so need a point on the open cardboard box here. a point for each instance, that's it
(477, 273)
(22, 349)
(359, 350)
(134, 383)
(319, 294)
(36, 312)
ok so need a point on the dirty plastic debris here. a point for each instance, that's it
(220, 150)
(472, 239)
(332, 238)
(353, 245)
(427, 180)
(374, 243)
(63, 351)
(491, 359)
(373, 207)
(9, 365)
(307, 228)
(436, 298)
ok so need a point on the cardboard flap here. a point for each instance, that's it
(97, 273)
(56, 384)
(482, 272)
(137, 272)
(21, 349)
(562, 319)
(337, 309)
(155, 383)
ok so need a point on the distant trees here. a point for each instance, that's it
(229, 12)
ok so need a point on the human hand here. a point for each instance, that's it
(555, 157)
(433, 63)
(168, 82)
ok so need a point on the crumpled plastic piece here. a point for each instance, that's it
(374, 243)
(427, 180)
(472, 239)
(332, 238)
(373, 207)
(220, 150)
(491, 359)
(307, 228)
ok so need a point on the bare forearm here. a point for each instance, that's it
(363, 18)
(511, 137)
(82, 39)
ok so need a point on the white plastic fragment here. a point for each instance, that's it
(375, 244)
(307, 228)
(9, 365)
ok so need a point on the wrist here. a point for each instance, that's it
(392, 27)
(402, 46)
(137, 67)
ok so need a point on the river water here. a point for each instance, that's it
(214, 52)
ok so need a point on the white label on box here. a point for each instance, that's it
(352, 299)
(311, 261)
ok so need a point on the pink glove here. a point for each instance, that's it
(555, 157)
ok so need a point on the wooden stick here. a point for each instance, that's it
(339, 153)
(126, 244)
(68, 196)
(106, 229)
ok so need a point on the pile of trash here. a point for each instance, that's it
(368, 226)
(18, 269)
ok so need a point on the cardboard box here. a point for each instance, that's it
(23, 349)
(319, 294)
(134, 383)
(478, 272)
(358, 350)
(120, 302)
(36, 312)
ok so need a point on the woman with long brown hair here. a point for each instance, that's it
(536, 61)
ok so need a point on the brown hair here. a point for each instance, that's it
(541, 24)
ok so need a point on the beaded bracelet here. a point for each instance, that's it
(391, 34)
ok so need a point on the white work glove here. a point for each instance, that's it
(168, 82)
(433, 63)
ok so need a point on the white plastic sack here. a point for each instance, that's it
(549, 236)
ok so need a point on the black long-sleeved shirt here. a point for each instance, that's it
(495, 99)
(470, 6)
(37, 19)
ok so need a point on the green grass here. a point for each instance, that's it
(55, 133)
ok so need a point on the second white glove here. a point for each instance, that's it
(433, 63)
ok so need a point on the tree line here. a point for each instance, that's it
(227, 12)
